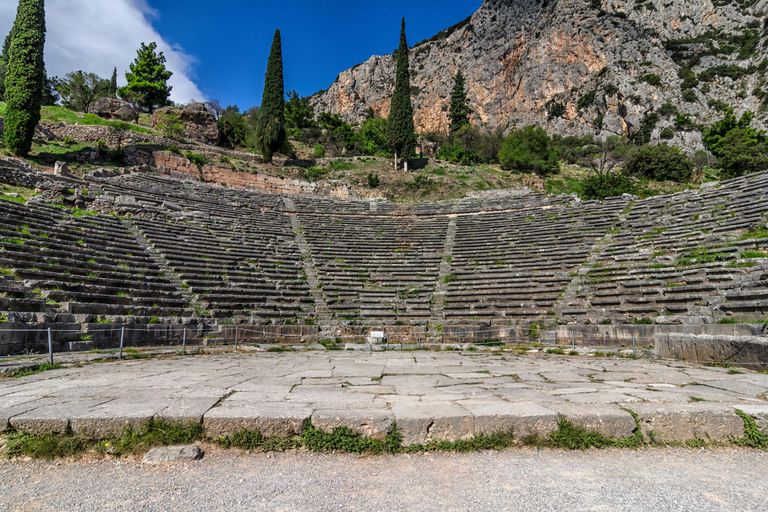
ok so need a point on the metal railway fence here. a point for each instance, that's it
(122, 338)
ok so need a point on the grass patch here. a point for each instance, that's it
(329, 344)
(55, 114)
(254, 441)
(573, 437)
(281, 349)
(755, 234)
(155, 432)
(344, 440)
(32, 370)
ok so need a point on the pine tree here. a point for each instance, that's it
(147, 86)
(113, 85)
(400, 131)
(460, 111)
(270, 135)
(25, 76)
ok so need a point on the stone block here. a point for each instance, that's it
(682, 422)
(113, 417)
(170, 454)
(604, 419)
(272, 419)
(53, 417)
(523, 418)
(368, 423)
(420, 422)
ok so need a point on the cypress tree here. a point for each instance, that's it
(113, 85)
(270, 135)
(400, 131)
(460, 111)
(25, 76)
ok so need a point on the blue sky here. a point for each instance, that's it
(219, 49)
(320, 39)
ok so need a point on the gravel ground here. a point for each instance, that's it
(522, 479)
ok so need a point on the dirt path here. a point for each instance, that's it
(645, 480)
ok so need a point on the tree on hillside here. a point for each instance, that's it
(25, 76)
(79, 89)
(269, 133)
(113, 85)
(739, 148)
(529, 150)
(459, 112)
(401, 136)
(147, 87)
(233, 127)
(299, 113)
(50, 95)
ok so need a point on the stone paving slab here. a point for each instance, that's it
(430, 395)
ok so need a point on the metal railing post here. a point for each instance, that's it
(184, 342)
(122, 340)
(634, 349)
(573, 341)
(237, 335)
(50, 346)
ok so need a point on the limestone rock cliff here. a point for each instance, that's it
(521, 57)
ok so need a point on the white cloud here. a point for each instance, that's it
(99, 35)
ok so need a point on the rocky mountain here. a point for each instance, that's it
(577, 67)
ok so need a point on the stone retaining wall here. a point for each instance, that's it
(174, 165)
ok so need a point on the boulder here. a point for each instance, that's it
(199, 124)
(110, 108)
(169, 454)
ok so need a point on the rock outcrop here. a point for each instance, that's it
(595, 59)
(199, 124)
(111, 108)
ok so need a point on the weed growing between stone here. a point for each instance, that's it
(753, 436)
(45, 446)
(344, 440)
(574, 437)
(23, 372)
(155, 432)
(253, 440)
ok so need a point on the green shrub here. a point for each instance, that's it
(319, 151)
(529, 150)
(644, 132)
(197, 159)
(555, 110)
(587, 100)
(455, 153)
(690, 96)
(660, 163)
(667, 133)
(667, 109)
(608, 185)
(651, 79)
(169, 125)
(373, 180)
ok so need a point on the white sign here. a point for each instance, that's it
(377, 334)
